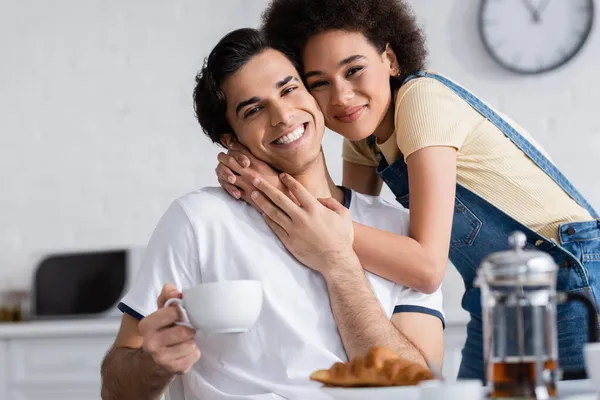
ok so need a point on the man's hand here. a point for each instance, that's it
(172, 347)
(319, 233)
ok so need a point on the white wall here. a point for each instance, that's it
(97, 133)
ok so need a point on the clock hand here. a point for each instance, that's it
(532, 10)
(542, 8)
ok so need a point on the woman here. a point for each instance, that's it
(471, 175)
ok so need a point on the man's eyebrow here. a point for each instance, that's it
(345, 61)
(256, 99)
(284, 81)
(245, 103)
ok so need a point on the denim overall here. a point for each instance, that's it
(479, 228)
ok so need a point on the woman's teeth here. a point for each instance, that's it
(291, 137)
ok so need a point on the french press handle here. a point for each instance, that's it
(592, 312)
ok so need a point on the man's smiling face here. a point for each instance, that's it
(273, 114)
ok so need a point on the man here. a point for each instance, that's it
(315, 313)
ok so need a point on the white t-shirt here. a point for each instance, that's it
(207, 236)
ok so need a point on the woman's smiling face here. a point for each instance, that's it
(350, 79)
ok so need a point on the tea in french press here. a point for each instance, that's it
(518, 298)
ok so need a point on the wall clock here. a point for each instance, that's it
(535, 36)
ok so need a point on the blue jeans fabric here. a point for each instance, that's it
(479, 228)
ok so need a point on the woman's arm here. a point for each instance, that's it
(418, 261)
(361, 178)
(392, 256)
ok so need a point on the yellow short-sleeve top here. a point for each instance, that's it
(427, 113)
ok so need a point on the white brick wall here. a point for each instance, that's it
(97, 133)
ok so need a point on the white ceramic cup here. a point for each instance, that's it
(462, 389)
(220, 307)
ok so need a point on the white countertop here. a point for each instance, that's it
(56, 327)
(110, 325)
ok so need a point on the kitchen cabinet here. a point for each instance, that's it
(52, 360)
(60, 360)
(454, 339)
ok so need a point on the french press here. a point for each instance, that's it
(519, 298)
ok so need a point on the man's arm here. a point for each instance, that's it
(320, 235)
(146, 355)
(128, 372)
(425, 332)
(362, 322)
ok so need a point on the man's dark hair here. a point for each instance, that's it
(289, 24)
(232, 52)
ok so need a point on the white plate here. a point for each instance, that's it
(382, 393)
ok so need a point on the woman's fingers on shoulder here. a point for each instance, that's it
(234, 191)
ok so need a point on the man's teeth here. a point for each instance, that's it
(291, 137)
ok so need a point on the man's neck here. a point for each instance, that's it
(318, 182)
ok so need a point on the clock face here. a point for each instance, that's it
(534, 36)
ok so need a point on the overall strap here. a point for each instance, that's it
(523, 144)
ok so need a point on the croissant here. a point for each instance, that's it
(380, 367)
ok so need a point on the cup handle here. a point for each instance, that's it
(185, 320)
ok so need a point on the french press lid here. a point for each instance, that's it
(518, 266)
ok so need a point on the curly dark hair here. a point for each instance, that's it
(289, 24)
(232, 52)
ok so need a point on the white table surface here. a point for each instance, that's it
(576, 390)
(567, 390)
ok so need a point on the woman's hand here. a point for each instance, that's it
(317, 232)
(238, 168)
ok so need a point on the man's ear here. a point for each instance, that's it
(227, 139)
(391, 58)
